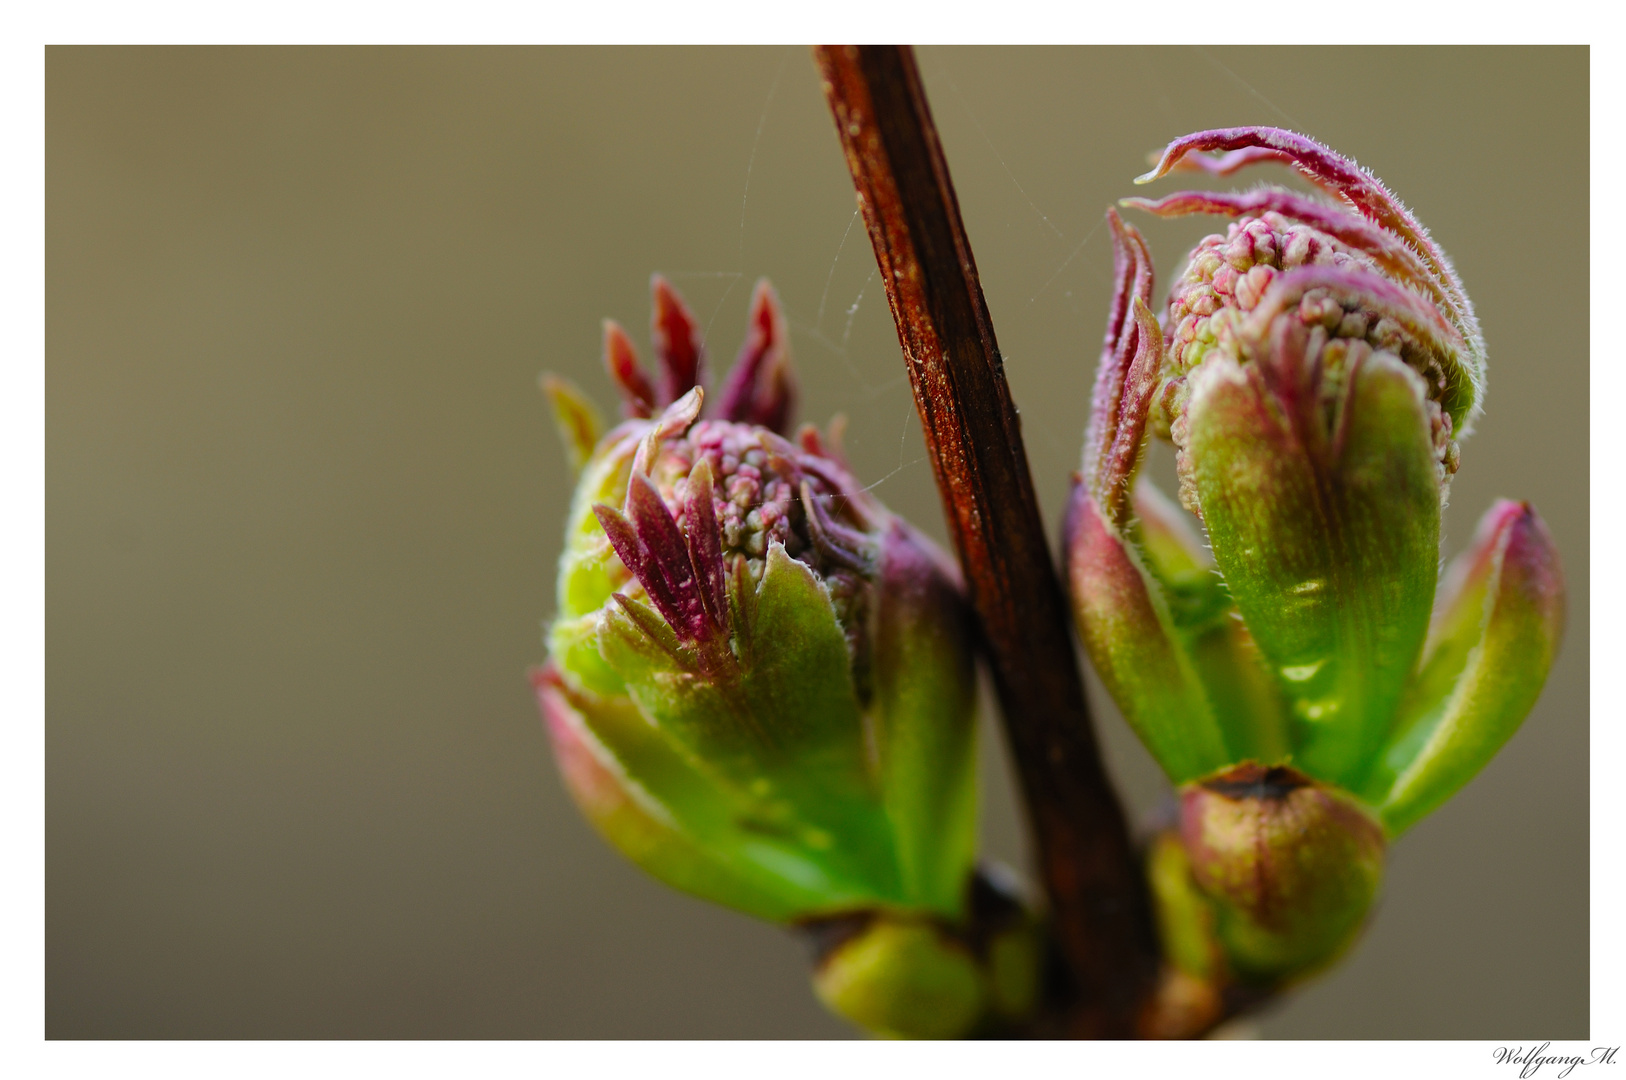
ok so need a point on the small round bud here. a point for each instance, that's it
(1291, 865)
(903, 979)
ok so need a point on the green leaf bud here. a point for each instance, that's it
(903, 978)
(908, 975)
(1185, 917)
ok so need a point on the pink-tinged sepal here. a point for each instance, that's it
(1126, 376)
(1150, 617)
(1116, 471)
(1319, 163)
(1496, 630)
(1222, 164)
(1290, 865)
(681, 572)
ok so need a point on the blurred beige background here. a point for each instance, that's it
(304, 499)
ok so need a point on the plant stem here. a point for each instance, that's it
(1100, 914)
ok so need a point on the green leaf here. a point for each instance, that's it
(1128, 632)
(664, 814)
(1246, 704)
(783, 731)
(924, 716)
(1327, 535)
(1498, 628)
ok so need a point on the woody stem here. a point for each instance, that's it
(1101, 917)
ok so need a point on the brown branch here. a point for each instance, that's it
(1098, 906)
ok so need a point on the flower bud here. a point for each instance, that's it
(760, 685)
(1290, 865)
(1315, 368)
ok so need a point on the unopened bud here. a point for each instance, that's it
(903, 979)
(760, 685)
(902, 975)
(1291, 865)
(1315, 369)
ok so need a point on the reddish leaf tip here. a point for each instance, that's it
(621, 361)
(760, 388)
(676, 334)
